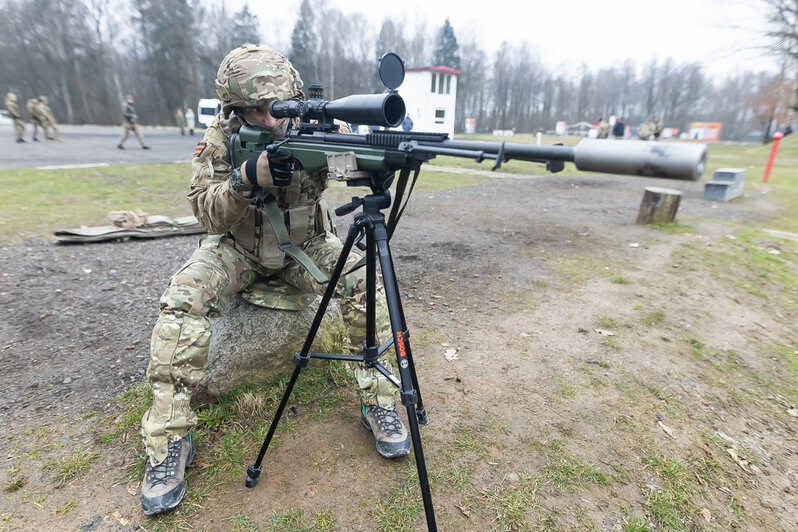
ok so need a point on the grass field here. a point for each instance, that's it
(35, 202)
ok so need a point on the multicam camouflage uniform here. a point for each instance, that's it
(47, 120)
(243, 248)
(16, 116)
(645, 130)
(35, 119)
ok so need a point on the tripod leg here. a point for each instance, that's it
(420, 410)
(301, 359)
(408, 393)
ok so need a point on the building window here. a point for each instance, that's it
(440, 83)
(433, 76)
(448, 84)
(440, 115)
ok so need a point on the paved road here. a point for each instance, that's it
(95, 145)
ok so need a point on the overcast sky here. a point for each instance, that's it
(721, 34)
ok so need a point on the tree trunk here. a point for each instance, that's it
(659, 205)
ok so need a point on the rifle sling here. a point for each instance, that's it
(284, 241)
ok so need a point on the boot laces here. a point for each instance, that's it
(387, 419)
(161, 473)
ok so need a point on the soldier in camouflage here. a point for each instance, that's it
(645, 130)
(16, 116)
(242, 249)
(47, 120)
(129, 119)
(35, 119)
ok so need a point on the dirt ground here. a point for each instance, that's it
(571, 325)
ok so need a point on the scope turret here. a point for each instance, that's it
(370, 109)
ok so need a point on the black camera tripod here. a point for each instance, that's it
(371, 224)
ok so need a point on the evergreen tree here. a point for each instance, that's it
(304, 43)
(245, 28)
(446, 47)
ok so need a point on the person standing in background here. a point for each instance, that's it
(16, 116)
(180, 120)
(190, 122)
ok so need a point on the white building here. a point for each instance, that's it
(430, 94)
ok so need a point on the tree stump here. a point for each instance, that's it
(659, 205)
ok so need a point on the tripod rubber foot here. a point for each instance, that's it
(252, 476)
(422, 416)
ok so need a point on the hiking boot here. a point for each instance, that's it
(20, 140)
(35, 139)
(393, 441)
(120, 146)
(145, 147)
(164, 485)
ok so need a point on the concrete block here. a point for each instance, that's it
(726, 184)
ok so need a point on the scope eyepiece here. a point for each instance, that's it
(287, 108)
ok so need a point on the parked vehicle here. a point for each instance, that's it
(207, 109)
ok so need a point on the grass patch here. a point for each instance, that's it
(656, 318)
(63, 510)
(671, 506)
(510, 504)
(398, 510)
(566, 471)
(36, 202)
(468, 441)
(15, 480)
(69, 468)
(672, 227)
(620, 279)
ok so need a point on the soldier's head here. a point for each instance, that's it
(11, 96)
(129, 98)
(250, 77)
(43, 98)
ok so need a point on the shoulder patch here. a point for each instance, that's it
(200, 148)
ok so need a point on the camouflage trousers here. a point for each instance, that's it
(19, 128)
(203, 288)
(127, 127)
(46, 126)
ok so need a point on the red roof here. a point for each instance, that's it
(444, 69)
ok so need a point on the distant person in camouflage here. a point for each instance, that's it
(603, 129)
(645, 130)
(234, 205)
(659, 125)
(48, 120)
(35, 116)
(129, 123)
(180, 120)
(16, 116)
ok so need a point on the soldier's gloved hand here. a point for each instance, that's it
(281, 164)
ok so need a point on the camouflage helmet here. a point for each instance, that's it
(253, 74)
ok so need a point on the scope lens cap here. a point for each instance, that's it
(392, 70)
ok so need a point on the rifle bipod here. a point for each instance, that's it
(371, 223)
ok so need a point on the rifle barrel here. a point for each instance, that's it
(672, 160)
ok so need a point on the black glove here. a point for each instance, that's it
(281, 164)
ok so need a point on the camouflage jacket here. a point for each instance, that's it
(35, 111)
(222, 210)
(45, 113)
(13, 108)
(128, 112)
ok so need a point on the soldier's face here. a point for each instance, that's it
(260, 117)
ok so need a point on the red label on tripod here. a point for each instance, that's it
(400, 342)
